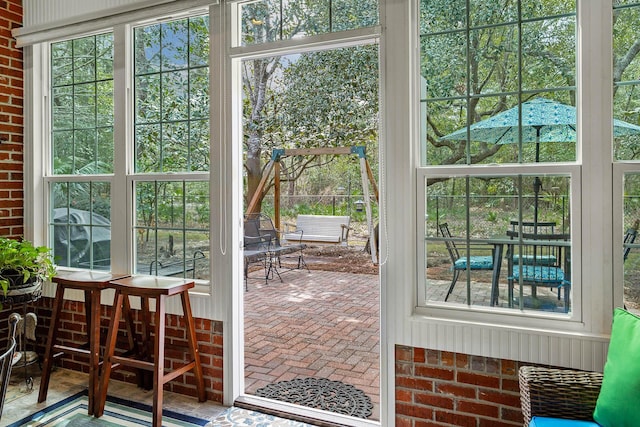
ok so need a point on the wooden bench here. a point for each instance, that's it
(319, 229)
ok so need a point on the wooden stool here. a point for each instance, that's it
(92, 283)
(158, 288)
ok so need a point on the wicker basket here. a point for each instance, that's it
(559, 393)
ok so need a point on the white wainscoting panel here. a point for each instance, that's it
(571, 350)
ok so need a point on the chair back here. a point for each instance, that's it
(449, 243)
(629, 238)
(541, 253)
(258, 225)
(530, 227)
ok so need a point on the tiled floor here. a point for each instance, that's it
(23, 402)
(314, 324)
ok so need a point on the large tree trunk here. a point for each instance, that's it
(255, 78)
(254, 168)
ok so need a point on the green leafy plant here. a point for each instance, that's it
(24, 260)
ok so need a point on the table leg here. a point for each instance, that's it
(495, 277)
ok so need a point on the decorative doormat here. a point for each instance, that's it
(72, 412)
(320, 393)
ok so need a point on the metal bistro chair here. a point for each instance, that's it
(539, 260)
(458, 262)
(6, 359)
(262, 243)
(258, 249)
(540, 227)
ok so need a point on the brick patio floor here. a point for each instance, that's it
(326, 324)
(314, 324)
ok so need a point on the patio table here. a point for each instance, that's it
(499, 243)
(498, 251)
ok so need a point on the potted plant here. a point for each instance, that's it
(24, 266)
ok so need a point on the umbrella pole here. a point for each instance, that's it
(537, 183)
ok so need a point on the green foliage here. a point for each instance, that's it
(22, 257)
(331, 98)
(625, 71)
(172, 96)
(314, 99)
(317, 99)
(488, 60)
(272, 20)
(82, 103)
(87, 196)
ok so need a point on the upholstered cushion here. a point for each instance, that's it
(539, 274)
(539, 259)
(559, 422)
(476, 263)
(619, 397)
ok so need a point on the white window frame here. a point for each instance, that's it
(234, 366)
(38, 174)
(620, 169)
(579, 341)
(513, 316)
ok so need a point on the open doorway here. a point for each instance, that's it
(311, 314)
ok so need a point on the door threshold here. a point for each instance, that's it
(300, 413)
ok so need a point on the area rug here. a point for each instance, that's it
(234, 416)
(321, 393)
(72, 412)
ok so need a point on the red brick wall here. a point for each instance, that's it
(435, 388)
(11, 119)
(73, 332)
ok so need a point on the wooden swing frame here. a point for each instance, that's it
(366, 175)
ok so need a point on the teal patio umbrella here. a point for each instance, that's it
(543, 120)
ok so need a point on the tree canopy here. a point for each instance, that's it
(326, 98)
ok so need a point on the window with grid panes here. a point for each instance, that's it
(491, 74)
(168, 152)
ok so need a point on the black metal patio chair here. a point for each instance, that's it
(630, 238)
(262, 244)
(462, 263)
(539, 260)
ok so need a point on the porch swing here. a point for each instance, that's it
(366, 175)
